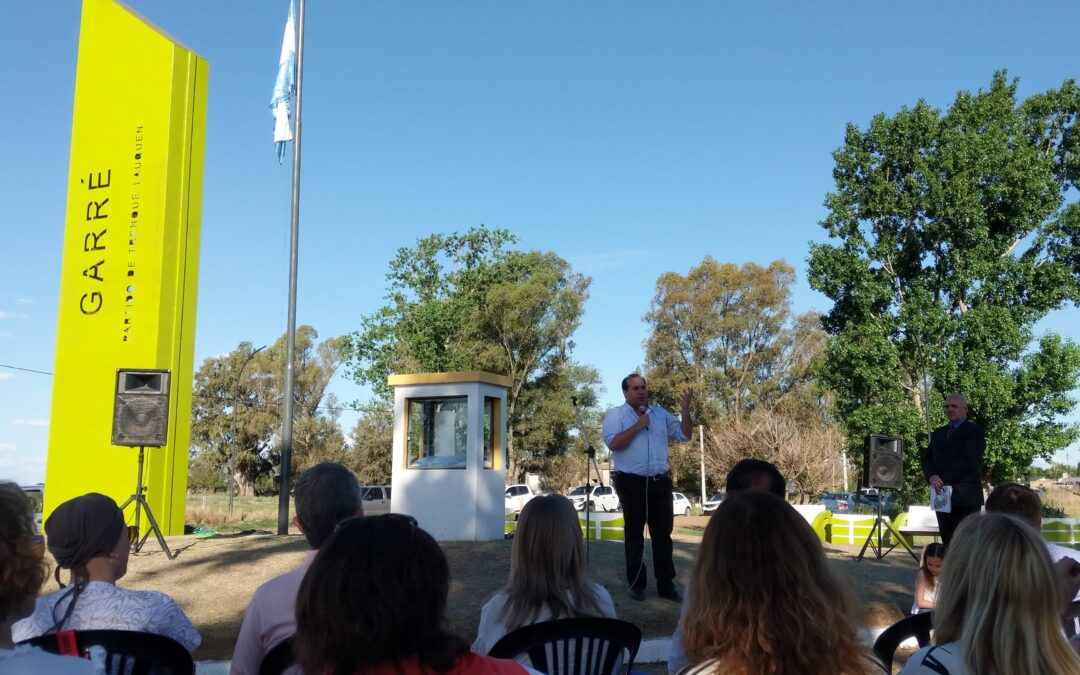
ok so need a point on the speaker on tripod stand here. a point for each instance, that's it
(883, 469)
(141, 419)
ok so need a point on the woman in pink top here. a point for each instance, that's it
(374, 602)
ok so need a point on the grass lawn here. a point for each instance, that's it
(210, 511)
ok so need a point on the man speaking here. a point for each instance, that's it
(637, 435)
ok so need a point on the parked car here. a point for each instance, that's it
(376, 499)
(680, 505)
(836, 501)
(516, 496)
(870, 498)
(712, 502)
(36, 495)
(603, 498)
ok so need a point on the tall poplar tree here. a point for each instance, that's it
(952, 233)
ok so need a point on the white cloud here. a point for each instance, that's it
(21, 467)
(20, 422)
(5, 334)
(7, 315)
(4, 377)
(26, 301)
(593, 263)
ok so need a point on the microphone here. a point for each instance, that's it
(642, 409)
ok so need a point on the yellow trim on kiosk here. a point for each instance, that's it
(449, 378)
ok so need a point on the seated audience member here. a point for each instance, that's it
(766, 600)
(374, 603)
(747, 474)
(927, 577)
(1024, 503)
(87, 536)
(22, 571)
(999, 609)
(326, 494)
(548, 577)
(756, 474)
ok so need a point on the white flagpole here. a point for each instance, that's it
(290, 339)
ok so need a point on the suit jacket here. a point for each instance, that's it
(958, 460)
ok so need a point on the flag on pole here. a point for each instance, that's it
(281, 102)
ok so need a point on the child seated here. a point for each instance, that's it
(926, 579)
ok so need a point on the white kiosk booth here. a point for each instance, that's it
(449, 456)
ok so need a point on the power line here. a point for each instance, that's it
(234, 399)
(25, 370)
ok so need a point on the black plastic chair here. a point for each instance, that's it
(915, 626)
(126, 652)
(278, 659)
(580, 646)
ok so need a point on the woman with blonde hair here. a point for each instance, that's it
(999, 610)
(765, 600)
(548, 576)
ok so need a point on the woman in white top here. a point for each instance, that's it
(22, 571)
(548, 577)
(926, 579)
(1000, 606)
(87, 535)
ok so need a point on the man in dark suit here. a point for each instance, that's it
(954, 457)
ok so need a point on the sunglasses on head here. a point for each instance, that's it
(390, 517)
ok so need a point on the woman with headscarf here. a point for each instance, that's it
(22, 571)
(88, 537)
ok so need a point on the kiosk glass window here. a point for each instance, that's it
(492, 426)
(437, 433)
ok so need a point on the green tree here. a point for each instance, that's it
(236, 408)
(952, 235)
(728, 332)
(468, 302)
(372, 445)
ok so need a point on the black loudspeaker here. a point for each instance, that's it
(141, 412)
(884, 466)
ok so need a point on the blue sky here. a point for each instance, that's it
(630, 137)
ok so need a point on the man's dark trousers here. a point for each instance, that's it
(647, 499)
(948, 522)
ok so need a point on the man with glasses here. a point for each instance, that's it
(326, 494)
(954, 458)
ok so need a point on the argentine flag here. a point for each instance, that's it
(281, 102)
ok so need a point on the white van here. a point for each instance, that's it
(36, 495)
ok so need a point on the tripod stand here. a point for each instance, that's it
(141, 505)
(590, 453)
(876, 529)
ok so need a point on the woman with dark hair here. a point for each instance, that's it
(765, 599)
(548, 576)
(87, 536)
(374, 602)
(22, 571)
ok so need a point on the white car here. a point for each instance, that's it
(376, 499)
(713, 502)
(680, 505)
(516, 496)
(603, 498)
